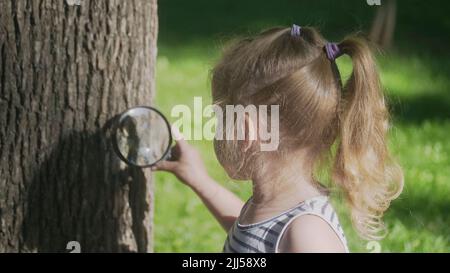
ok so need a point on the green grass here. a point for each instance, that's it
(416, 82)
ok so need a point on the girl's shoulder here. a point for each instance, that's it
(312, 227)
(311, 233)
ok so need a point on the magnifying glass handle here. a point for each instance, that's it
(170, 156)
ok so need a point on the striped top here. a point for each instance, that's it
(264, 236)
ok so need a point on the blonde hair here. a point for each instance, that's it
(317, 112)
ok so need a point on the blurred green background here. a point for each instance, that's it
(415, 74)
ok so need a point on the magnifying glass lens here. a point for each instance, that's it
(142, 136)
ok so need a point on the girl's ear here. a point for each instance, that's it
(251, 130)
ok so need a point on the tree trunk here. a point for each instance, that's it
(383, 25)
(67, 68)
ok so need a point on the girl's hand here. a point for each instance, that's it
(188, 165)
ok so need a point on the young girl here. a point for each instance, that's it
(319, 119)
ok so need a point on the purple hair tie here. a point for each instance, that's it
(295, 30)
(333, 51)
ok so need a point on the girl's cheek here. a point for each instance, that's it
(221, 154)
(228, 155)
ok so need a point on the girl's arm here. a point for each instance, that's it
(190, 169)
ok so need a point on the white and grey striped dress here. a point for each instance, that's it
(264, 237)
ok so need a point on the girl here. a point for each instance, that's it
(319, 118)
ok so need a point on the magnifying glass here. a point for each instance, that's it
(142, 137)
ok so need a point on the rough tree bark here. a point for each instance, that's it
(66, 70)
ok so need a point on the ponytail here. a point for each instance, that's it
(363, 167)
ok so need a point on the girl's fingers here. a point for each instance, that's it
(168, 166)
(176, 133)
(179, 138)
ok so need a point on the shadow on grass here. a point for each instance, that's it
(416, 109)
(204, 19)
(422, 213)
(421, 25)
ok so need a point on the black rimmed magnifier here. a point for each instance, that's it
(142, 137)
